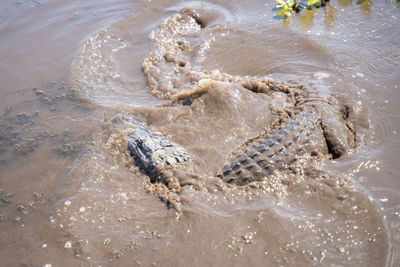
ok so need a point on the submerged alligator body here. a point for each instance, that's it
(304, 133)
(255, 160)
(275, 151)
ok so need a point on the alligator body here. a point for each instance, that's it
(276, 150)
(258, 158)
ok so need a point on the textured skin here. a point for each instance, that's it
(276, 150)
(304, 133)
(152, 151)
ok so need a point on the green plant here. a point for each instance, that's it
(287, 7)
(312, 3)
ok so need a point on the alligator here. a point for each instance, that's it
(311, 128)
(303, 134)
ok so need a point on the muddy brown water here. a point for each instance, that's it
(71, 71)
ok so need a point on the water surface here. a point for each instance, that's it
(69, 67)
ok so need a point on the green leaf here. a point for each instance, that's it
(311, 3)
